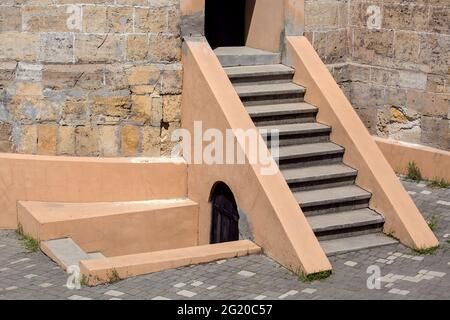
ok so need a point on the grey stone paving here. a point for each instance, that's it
(404, 274)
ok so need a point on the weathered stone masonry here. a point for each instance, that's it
(103, 77)
(89, 77)
(392, 59)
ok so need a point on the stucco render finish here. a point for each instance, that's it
(85, 179)
(260, 34)
(192, 17)
(113, 228)
(99, 271)
(389, 198)
(433, 163)
(277, 223)
(267, 21)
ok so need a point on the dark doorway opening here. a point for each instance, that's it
(225, 215)
(225, 23)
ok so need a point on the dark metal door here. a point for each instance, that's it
(225, 220)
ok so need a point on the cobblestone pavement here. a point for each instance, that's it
(405, 275)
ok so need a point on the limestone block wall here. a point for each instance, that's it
(103, 77)
(89, 77)
(326, 27)
(394, 64)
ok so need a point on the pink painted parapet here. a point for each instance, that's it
(389, 198)
(260, 33)
(113, 228)
(190, 7)
(278, 225)
(79, 179)
(433, 163)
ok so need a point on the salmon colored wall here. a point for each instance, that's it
(99, 270)
(119, 229)
(432, 162)
(267, 21)
(294, 17)
(189, 7)
(276, 220)
(265, 24)
(78, 179)
(403, 220)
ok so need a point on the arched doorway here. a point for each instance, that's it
(225, 215)
(225, 23)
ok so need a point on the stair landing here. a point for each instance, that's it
(245, 56)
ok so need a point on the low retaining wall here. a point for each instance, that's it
(432, 162)
(100, 270)
(82, 179)
(114, 228)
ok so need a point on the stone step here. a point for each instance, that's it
(307, 178)
(275, 73)
(310, 154)
(282, 113)
(349, 244)
(299, 133)
(245, 56)
(114, 228)
(97, 271)
(270, 93)
(334, 199)
(65, 252)
(268, 89)
(346, 223)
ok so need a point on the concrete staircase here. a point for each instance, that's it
(336, 208)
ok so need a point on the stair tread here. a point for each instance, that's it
(280, 109)
(258, 70)
(330, 195)
(246, 56)
(293, 128)
(317, 172)
(46, 212)
(242, 51)
(268, 89)
(309, 150)
(343, 245)
(345, 219)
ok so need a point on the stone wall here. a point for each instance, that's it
(103, 77)
(326, 27)
(89, 77)
(394, 64)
